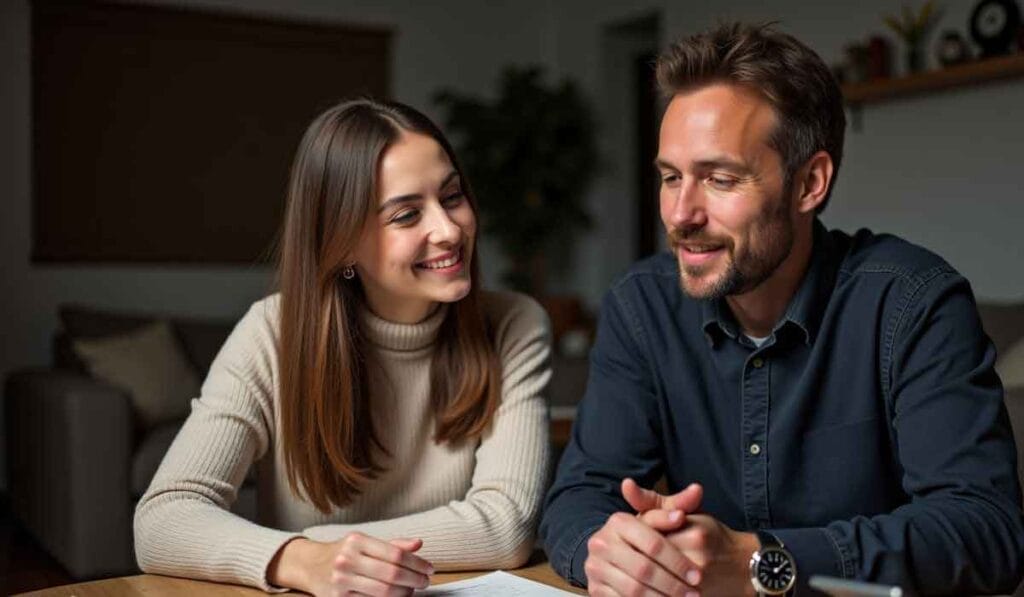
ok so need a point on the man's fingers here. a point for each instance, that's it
(638, 498)
(652, 544)
(663, 521)
(642, 500)
(687, 500)
(641, 567)
(625, 582)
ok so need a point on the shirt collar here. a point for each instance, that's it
(806, 308)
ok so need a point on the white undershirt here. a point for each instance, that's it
(757, 341)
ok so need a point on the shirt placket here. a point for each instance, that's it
(755, 441)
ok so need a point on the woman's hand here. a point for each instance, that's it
(356, 564)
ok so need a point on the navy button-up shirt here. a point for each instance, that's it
(868, 433)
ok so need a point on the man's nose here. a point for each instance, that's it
(687, 208)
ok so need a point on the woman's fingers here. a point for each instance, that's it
(394, 554)
(384, 563)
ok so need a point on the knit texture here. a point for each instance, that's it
(474, 505)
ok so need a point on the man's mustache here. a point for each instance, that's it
(696, 236)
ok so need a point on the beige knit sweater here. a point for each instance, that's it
(475, 506)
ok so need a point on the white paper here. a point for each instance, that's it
(499, 584)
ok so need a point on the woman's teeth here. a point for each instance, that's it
(442, 264)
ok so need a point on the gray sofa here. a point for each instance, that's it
(78, 462)
(78, 459)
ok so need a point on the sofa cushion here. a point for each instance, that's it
(1010, 366)
(1015, 406)
(149, 364)
(1003, 322)
(201, 339)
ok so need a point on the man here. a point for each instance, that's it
(822, 404)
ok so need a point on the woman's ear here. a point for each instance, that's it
(813, 181)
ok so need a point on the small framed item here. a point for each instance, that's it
(840, 587)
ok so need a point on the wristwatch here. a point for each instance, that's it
(772, 568)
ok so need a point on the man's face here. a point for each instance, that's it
(728, 218)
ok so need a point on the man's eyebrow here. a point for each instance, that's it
(723, 162)
(453, 175)
(661, 164)
(709, 164)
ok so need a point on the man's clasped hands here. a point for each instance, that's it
(668, 548)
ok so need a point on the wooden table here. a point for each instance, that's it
(152, 584)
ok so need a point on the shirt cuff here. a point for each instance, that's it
(815, 553)
(577, 574)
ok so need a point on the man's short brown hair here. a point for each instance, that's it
(788, 74)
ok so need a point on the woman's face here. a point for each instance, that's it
(416, 245)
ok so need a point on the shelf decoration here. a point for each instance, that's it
(913, 27)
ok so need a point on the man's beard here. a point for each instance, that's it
(750, 267)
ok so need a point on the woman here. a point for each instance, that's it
(395, 411)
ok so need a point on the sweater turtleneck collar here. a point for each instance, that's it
(402, 336)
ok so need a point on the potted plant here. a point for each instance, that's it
(530, 154)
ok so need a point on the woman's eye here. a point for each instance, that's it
(453, 199)
(406, 217)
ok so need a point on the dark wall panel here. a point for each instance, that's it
(164, 135)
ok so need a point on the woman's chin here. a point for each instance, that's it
(456, 292)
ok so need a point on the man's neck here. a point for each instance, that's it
(758, 310)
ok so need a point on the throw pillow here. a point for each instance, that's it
(147, 363)
(1010, 366)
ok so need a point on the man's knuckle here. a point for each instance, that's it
(652, 546)
(644, 570)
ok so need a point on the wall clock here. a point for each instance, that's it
(994, 25)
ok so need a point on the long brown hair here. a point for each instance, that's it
(331, 447)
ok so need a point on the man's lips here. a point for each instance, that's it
(696, 254)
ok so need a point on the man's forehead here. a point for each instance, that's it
(722, 118)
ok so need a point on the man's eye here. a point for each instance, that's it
(722, 182)
(406, 217)
(669, 179)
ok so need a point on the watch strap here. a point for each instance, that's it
(768, 540)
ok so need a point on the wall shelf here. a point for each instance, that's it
(963, 75)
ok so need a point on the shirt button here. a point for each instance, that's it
(755, 449)
(757, 363)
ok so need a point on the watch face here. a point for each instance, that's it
(775, 571)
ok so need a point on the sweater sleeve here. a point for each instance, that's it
(183, 526)
(494, 525)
